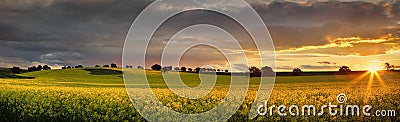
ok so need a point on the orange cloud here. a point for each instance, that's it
(351, 46)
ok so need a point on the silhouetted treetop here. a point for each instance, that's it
(114, 65)
(156, 67)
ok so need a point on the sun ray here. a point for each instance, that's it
(369, 87)
(381, 82)
(359, 78)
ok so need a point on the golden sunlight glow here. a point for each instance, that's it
(343, 42)
(374, 78)
(373, 68)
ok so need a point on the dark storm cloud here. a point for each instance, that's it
(300, 24)
(319, 13)
(64, 28)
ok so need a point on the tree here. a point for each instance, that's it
(387, 66)
(97, 66)
(226, 71)
(254, 69)
(113, 65)
(33, 68)
(156, 67)
(39, 67)
(106, 66)
(183, 69)
(190, 69)
(16, 70)
(45, 67)
(166, 69)
(69, 67)
(218, 70)
(296, 72)
(344, 69)
(64, 67)
(197, 69)
(79, 66)
(176, 69)
(267, 71)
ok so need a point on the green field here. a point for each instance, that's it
(100, 95)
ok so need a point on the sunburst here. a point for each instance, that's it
(373, 68)
(373, 76)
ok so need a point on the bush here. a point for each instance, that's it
(183, 69)
(113, 65)
(45, 67)
(156, 67)
(15, 70)
(39, 67)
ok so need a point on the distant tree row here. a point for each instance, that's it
(80, 66)
(39, 67)
(264, 71)
(69, 67)
(130, 67)
(16, 70)
(184, 69)
(108, 66)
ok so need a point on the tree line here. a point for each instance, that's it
(185, 69)
(39, 67)
(113, 65)
(254, 71)
(18, 70)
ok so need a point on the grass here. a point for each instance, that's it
(98, 94)
(72, 77)
(97, 71)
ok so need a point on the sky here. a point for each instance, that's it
(307, 34)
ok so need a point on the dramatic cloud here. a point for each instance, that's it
(326, 62)
(33, 30)
(289, 68)
(305, 24)
(317, 67)
(351, 46)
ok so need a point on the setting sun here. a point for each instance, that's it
(373, 68)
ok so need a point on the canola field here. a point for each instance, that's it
(100, 95)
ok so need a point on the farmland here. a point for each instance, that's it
(100, 95)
